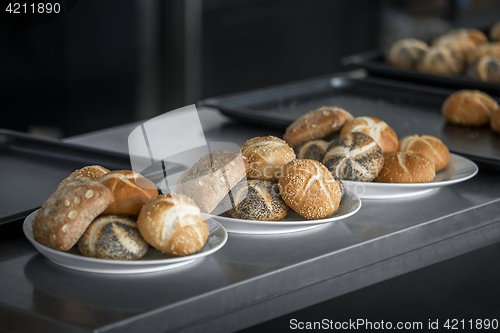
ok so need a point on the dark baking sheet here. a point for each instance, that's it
(32, 167)
(374, 63)
(408, 108)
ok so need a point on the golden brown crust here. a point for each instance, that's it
(428, 146)
(468, 107)
(379, 130)
(488, 49)
(89, 171)
(354, 156)
(310, 189)
(131, 191)
(266, 156)
(458, 34)
(316, 124)
(440, 60)
(173, 224)
(209, 180)
(405, 53)
(406, 167)
(495, 120)
(113, 237)
(486, 69)
(64, 216)
(495, 32)
(258, 200)
(312, 150)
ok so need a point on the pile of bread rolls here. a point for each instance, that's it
(118, 215)
(460, 52)
(472, 108)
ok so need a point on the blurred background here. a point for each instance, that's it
(106, 63)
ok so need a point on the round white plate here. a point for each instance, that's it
(293, 222)
(458, 170)
(153, 261)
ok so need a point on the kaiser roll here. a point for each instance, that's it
(379, 130)
(440, 60)
(406, 167)
(312, 150)
(90, 171)
(428, 146)
(405, 53)
(468, 107)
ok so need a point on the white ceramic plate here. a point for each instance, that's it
(153, 261)
(293, 222)
(458, 170)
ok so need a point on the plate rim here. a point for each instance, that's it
(129, 266)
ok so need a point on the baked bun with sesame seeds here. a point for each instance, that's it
(354, 156)
(209, 180)
(310, 189)
(266, 156)
(65, 215)
(406, 167)
(258, 200)
(89, 171)
(113, 237)
(131, 191)
(312, 150)
(428, 146)
(173, 224)
(378, 129)
(316, 124)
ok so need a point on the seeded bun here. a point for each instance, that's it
(440, 60)
(258, 200)
(266, 156)
(468, 107)
(131, 191)
(406, 167)
(486, 69)
(316, 124)
(428, 146)
(173, 224)
(377, 129)
(90, 171)
(312, 150)
(406, 53)
(310, 189)
(113, 237)
(66, 214)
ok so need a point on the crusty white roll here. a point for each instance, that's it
(354, 156)
(209, 180)
(113, 237)
(131, 191)
(66, 214)
(468, 107)
(173, 224)
(316, 124)
(383, 134)
(405, 53)
(495, 120)
(310, 189)
(257, 200)
(406, 167)
(428, 146)
(440, 60)
(312, 150)
(462, 42)
(90, 171)
(494, 32)
(488, 49)
(486, 69)
(266, 157)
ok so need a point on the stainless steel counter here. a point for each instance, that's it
(253, 278)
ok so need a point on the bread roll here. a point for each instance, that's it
(406, 53)
(354, 156)
(209, 180)
(428, 146)
(312, 150)
(495, 121)
(488, 49)
(440, 60)
(89, 171)
(266, 156)
(316, 124)
(310, 189)
(113, 237)
(495, 32)
(258, 200)
(486, 69)
(131, 191)
(459, 34)
(379, 130)
(64, 216)
(406, 167)
(468, 107)
(172, 223)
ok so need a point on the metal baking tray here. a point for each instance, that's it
(31, 168)
(407, 108)
(374, 63)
